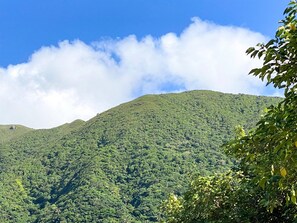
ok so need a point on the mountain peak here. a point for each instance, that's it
(121, 164)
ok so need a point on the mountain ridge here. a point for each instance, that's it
(120, 165)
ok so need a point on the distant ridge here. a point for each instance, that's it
(8, 132)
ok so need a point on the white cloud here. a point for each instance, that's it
(75, 80)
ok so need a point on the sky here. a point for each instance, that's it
(62, 60)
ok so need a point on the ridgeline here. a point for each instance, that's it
(120, 165)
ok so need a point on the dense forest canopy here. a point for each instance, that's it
(120, 165)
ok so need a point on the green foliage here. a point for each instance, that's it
(9, 132)
(279, 54)
(270, 152)
(266, 156)
(120, 165)
(209, 199)
(214, 199)
(229, 197)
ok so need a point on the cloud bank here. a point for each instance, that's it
(75, 80)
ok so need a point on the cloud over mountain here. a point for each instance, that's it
(77, 80)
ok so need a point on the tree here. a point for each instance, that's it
(267, 156)
(219, 198)
(269, 153)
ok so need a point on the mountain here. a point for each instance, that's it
(120, 165)
(8, 132)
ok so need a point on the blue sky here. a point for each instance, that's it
(28, 25)
(72, 59)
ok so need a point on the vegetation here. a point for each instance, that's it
(120, 165)
(8, 132)
(262, 187)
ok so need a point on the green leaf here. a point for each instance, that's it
(293, 199)
(250, 50)
(283, 171)
(262, 183)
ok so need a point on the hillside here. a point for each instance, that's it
(121, 164)
(9, 132)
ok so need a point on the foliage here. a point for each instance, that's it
(219, 198)
(266, 156)
(279, 54)
(229, 197)
(120, 165)
(9, 132)
(270, 152)
(210, 198)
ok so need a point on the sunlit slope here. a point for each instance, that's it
(121, 164)
(8, 132)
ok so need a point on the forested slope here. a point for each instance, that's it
(8, 132)
(121, 164)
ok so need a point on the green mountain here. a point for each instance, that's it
(120, 165)
(9, 132)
